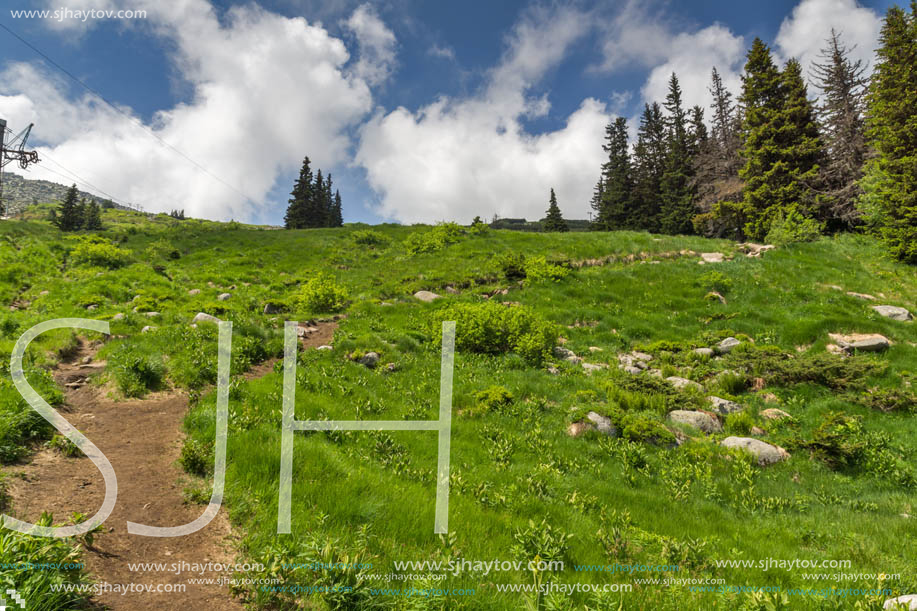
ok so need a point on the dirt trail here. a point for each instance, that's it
(142, 439)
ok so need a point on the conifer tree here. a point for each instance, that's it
(649, 166)
(68, 215)
(81, 212)
(676, 195)
(337, 217)
(295, 217)
(889, 202)
(595, 203)
(93, 221)
(553, 220)
(613, 198)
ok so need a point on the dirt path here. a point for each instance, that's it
(142, 439)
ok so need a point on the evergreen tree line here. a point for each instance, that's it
(774, 158)
(312, 201)
(74, 213)
(177, 214)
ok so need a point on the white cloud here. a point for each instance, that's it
(266, 90)
(633, 38)
(442, 51)
(457, 158)
(803, 33)
(376, 44)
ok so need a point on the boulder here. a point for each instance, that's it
(566, 354)
(590, 367)
(864, 342)
(272, 308)
(724, 407)
(772, 413)
(893, 312)
(711, 257)
(681, 383)
(704, 351)
(755, 250)
(201, 317)
(194, 292)
(757, 431)
(223, 296)
(908, 601)
(726, 346)
(426, 296)
(642, 356)
(147, 329)
(632, 370)
(118, 316)
(766, 453)
(602, 424)
(553, 370)
(699, 420)
(369, 359)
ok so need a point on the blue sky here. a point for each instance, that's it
(423, 111)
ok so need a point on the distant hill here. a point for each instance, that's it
(19, 192)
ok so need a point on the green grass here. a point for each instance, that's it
(371, 495)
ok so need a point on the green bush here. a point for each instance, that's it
(196, 457)
(537, 269)
(493, 399)
(791, 226)
(435, 239)
(715, 281)
(739, 423)
(839, 440)
(322, 294)
(99, 252)
(513, 266)
(643, 426)
(491, 328)
(368, 237)
(136, 371)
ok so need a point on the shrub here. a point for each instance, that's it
(715, 281)
(513, 266)
(839, 440)
(435, 239)
(321, 294)
(99, 252)
(491, 399)
(368, 237)
(644, 426)
(739, 423)
(537, 269)
(196, 457)
(491, 328)
(64, 446)
(791, 226)
(136, 372)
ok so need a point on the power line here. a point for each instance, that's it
(129, 117)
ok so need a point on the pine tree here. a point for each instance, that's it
(889, 202)
(295, 217)
(68, 215)
(843, 98)
(649, 166)
(717, 163)
(781, 146)
(595, 203)
(93, 221)
(676, 196)
(613, 198)
(337, 216)
(553, 220)
(81, 211)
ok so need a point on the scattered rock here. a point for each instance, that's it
(590, 367)
(681, 383)
(864, 342)
(642, 356)
(724, 407)
(699, 420)
(714, 295)
(656, 373)
(632, 370)
(325, 347)
(711, 257)
(755, 250)
(147, 328)
(194, 292)
(73, 384)
(758, 384)
(118, 316)
(766, 453)
(834, 349)
(772, 413)
(704, 351)
(861, 296)
(553, 370)
(201, 317)
(757, 431)
(602, 424)
(908, 601)
(452, 290)
(92, 307)
(893, 312)
(151, 314)
(426, 296)
(86, 360)
(369, 359)
(770, 398)
(272, 308)
(594, 349)
(223, 296)
(726, 346)
(391, 367)
(566, 354)
(579, 428)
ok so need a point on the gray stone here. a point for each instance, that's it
(681, 383)
(194, 292)
(577, 429)
(92, 307)
(726, 346)
(602, 424)
(908, 601)
(711, 257)
(426, 296)
(369, 359)
(594, 349)
(893, 312)
(45, 293)
(201, 317)
(325, 347)
(772, 413)
(642, 356)
(272, 308)
(724, 407)
(118, 316)
(632, 370)
(869, 342)
(699, 420)
(863, 296)
(766, 453)
(567, 355)
(223, 296)
(553, 370)
(704, 351)
(151, 314)
(147, 328)
(590, 367)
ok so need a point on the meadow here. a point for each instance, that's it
(522, 488)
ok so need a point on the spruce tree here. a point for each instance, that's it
(295, 217)
(93, 221)
(843, 98)
(81, 212)
(595, 203)
(649, 166)
(337, 216)
(553, 220)
(615, 188)
(676, 196)
(68, 215)
(889, 202)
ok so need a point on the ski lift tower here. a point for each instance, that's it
(12, 148)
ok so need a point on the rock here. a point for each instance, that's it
(147, 328)
(594, 349)
(861, 296)
(272, 308)
(325, 347)
(553, 370)
(369, 359)
(426, 296)
(726, 346)
(713, 295)
(563, 353)
(452, 290)
(223, 296)
(45, 293)
(766, 453)
(118, 316)
(681, 383)
(194, 292)
(642, 356)
(151, 314)
(92, 307)
(632, 370)
(699, 420)
(755, 250)
(70, 385)
(391, 367)
(772, 413)
(577, 429)
(704, 351)
(724, 407)
(757, 431)
(590, 367)
(908, 601)
(86, 360)
(656, 373)
(770, 398)
(602, 424)
(864, 342)
(893, 312)
(201, 317)
(711, 257)
(834, 349)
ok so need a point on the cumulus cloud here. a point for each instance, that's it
(376, 44)
(803, 33)
(266, 90)
(457, 158)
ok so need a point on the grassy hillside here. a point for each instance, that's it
(521, 487)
